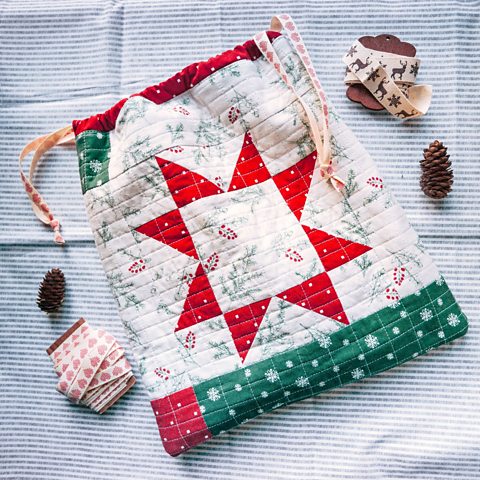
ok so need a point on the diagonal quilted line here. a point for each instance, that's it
(323, 390)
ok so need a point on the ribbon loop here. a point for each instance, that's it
(40, 146)
(320, 132)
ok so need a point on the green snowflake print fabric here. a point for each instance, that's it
(244, 281)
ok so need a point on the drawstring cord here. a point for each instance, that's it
(40, 146)
(321, 135)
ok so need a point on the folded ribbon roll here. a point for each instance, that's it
(91, 366)
(390, 79)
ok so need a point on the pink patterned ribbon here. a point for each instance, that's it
(91, 367)
(320, 133)
(40, 146)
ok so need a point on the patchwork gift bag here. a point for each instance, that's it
(256, 255)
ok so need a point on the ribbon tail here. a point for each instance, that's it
(337, 183)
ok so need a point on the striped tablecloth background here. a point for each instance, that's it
(62, 59)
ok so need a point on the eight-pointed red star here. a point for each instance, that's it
(316, 294)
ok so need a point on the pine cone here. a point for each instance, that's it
(437, 175)
(52, 291)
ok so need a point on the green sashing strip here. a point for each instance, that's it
(383, 340)
(93, 149)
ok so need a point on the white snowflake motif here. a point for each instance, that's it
(264, 394)
(95, 166)
(272, 375)
(417, 293)
(346, 342)
(99, 135)
(247, 372)
(336, 368)
(324, 340)
(289, 364)
(440, 281)
(202, 408)
(260, 410)
(394, 304)
(390, 356)
(286, 393)
(371, 341)
(238, 387)
(396, 330)
(441, 334)
(321, 384)
(358, 373)
(415, 355)
(213, 394)
(420, 334)
(361, 357)
(453, 319)
(315, 363)
(404, 314)
(231, 412)
(426, 314)
(439, 302)
(302, 382)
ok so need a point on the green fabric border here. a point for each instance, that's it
(93, 149)
(381, 341)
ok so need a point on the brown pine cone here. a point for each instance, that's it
(52, 291)
(437, 175)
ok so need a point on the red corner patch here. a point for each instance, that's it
(180, 421)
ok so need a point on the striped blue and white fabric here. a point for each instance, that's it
(67, 59)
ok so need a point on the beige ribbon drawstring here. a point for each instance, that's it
(40, 146)
(320, 134)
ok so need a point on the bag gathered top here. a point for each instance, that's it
(256, 255)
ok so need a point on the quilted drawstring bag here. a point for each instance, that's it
(256, 255)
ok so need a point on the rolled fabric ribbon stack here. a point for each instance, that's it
(91, 367)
